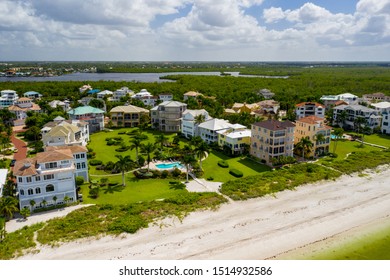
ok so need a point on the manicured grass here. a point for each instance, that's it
(107, 153)
(345, 147)
(245, 165)
(135, 191)
(378, 139)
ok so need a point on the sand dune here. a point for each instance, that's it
(254, 229)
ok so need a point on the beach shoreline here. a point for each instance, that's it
(260, 228)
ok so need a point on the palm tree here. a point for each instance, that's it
(161, 140)
(8, 206)
(304, 145)
(341, 118)
(365, 131)
(32, 203)
(188, 160)
(25, 212)
(359, 123)
(320, 139)
(148, 149)
(123, 164)
(66, 199)
(201, 152)
(199, 119)
(44, 202)
(55, 201)
(135, 144)
(338, 133)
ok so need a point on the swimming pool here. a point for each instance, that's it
(169, 165)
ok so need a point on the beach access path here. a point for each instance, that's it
(254, 229)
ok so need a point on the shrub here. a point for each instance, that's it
(111, 142)
(236, 173)
(79, 180)
(128, 223)
(94, 192)
(223, 164)
(164, 174)
(211, 178)
(176, 172)
(95, 162)
(121, 132)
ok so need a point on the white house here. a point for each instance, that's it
(104, 93)
(93, 116)
(63, 104)
(119, 93)
(65, 132)
(167, 116)
(3, 179)
(32, 94)
(79, 156)
(372, 117)
(306, 109)
(188, 124)
(384, 109)
(331, 100)
(8, 98)
(21, 107)
(146, 97)
(46, 179)
(165, 97)
(236, 139)
(208, 129)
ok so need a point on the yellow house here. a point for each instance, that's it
(311, 127)
(236, 139)
(127, 116)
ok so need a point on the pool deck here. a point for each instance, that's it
(153, 164)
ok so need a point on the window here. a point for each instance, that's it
(28, 179)
(82, 155)
(37, 178)
(78, 165)
(30, 192)
(83, 165)
(38, 190)
(77, 156)
(49, 188)
(21, 192)
(20, 180)
(48, 177)
(51, 165)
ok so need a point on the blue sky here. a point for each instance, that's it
(195, 30)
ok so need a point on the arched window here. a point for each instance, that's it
(30, 191)
(21, 192)
(38, 190)
(50, 188)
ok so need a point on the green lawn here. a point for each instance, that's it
(378, 139)
(345, 147)
(245, 165)
(107, 153)
(135, 191)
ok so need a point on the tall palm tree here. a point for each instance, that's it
(359, 123)
(305, 145)
(341, 118)
(201, 152)
(148, 149)
(188, 160)
(320, 139)
(123, 164)
(199, 119)
(338, 133)
(161, 140)
(135, 144)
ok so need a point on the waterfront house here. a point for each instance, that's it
(311, 127)
(46, 179)
(272, 139)
(352, 113)
(235, 139)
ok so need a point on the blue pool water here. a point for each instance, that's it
(169, 165)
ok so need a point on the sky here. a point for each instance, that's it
(194, 30)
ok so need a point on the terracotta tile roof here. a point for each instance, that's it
(73, 149)
(25, 167)
(314, 120)
(55, 155)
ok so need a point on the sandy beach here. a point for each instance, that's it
(255, 229)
